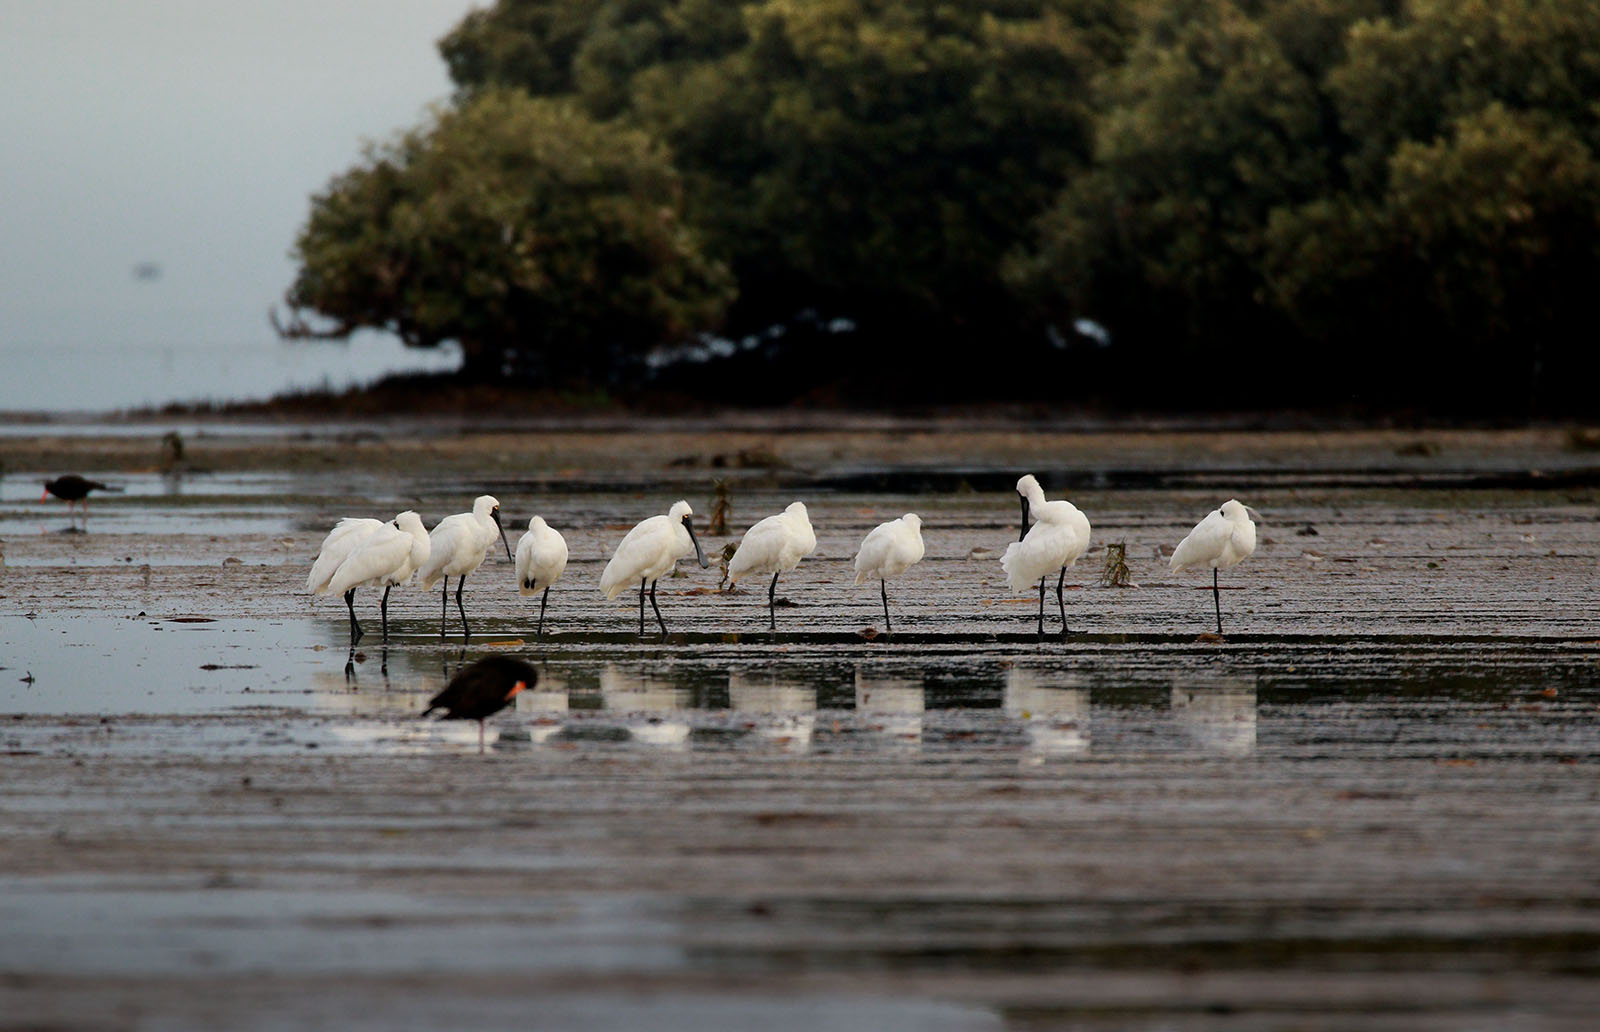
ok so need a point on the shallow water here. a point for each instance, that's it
(1370, 804)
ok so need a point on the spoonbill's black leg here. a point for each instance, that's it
(1216, 596)
(466, 632)
(544, 600)
(444, 603)
(1040, 635)
(883, 590)
(383, 610)
(771, 602)
(1060, 582)
(355, 628)
(657, 608)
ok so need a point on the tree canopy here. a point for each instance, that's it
(1368, 198)
(519, 227)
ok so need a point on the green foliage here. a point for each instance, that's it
(869, 157)
(1204, 129)
(1411, 184)
(513, 226)
(1405, 183)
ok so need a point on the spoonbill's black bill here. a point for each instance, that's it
(649, 552)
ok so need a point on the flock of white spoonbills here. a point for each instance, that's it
(359, 552)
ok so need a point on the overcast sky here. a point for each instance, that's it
(187, 133)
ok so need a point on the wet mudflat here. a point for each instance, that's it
(1372, 804)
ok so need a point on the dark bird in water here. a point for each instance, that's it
(483, 689)
(73, 489)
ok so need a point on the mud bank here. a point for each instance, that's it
(1371, 804)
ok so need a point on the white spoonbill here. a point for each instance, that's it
(336, 548)
(458, 545)
(387, 556)
(648, 552)
(1055, 542)
(1224, 538)
(774, 545)
(541, 557)
(889, 550)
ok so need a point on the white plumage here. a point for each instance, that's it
(336, 548)
(541, 558)
(386, 555)
(1055, 542)
(1225, 538)
(460, 543)
(889, 550)
(457, 546)
(648, 552)
(775, 545)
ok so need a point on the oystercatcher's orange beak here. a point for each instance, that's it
(45, 497)
(518, 687)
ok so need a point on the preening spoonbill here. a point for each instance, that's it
(774, 545)
(73, 489)
(458, 545)
(1224, 538)
(386, 555)
(648, 552)
(1055, 542)
(336, 548)
(541, 556)
(889, 550)
(483, 689)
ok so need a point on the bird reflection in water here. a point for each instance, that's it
(890, 707)
(542, 710)
(351, 676)
(779, 712)
(651, 708)
(1218, 717)
(1055, 718)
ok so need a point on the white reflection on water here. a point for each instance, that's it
(892, 707)
(1218, 718)
(652, 707)
(1055, 719)
(541, 711)
(781, 712)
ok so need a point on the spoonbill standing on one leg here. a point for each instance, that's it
(774, 545)
(541, 556)
(458, 545)
(1224, 538)
(387, 555)
(1055, 542)
(889, 550)
(648, 552)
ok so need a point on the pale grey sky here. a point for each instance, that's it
(188, 133)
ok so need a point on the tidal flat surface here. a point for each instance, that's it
(1372, 803)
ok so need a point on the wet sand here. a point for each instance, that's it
(1371, 805)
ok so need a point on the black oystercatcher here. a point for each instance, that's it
(483, 689)
(73, 489)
